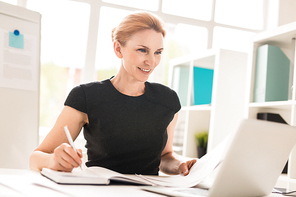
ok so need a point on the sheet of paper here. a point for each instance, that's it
(16, 185)
(199, 171)
(19, 61)
(8, 191)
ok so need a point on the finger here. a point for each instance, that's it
(72, 156)
(191, 163)
(65, 154)
(58, 162)
(79, 151)
(186, 171)
(65, 165)
(60, 167)
(183, 169)
(63, 158)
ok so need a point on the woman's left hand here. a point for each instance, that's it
(185, 166)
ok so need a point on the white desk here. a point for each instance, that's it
(17, 183)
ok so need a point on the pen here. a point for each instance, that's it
(70, 140)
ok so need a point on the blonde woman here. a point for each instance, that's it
(128, 122)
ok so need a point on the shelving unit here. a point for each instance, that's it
(225, 112)
(281, 37)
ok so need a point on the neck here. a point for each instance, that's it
(128, 86)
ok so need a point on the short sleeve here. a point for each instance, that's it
(163, 95)
(76, 99)
(176, 102)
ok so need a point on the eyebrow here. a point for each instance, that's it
(160, 49)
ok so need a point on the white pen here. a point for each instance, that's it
(70, 139)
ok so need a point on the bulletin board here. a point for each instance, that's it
(19, 84)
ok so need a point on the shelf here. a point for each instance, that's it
(205, 59)
(275, 105)
(197, 108)
(281, 37)
(226, 109)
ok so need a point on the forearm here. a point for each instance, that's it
(39, 160)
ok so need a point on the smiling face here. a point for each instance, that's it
(141, 54)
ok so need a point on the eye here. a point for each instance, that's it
(158, 52)
(142, 50)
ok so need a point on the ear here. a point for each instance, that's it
(117, 49)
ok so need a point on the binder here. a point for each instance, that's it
(272, 74)
(180, 83)
(202, 85)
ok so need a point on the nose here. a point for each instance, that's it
(150, 60)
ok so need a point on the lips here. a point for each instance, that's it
(144, 70)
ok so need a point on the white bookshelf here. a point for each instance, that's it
(280, 37)
(228, 93)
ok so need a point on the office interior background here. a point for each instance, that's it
(76, 44)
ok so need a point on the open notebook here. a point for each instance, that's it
(90, 176)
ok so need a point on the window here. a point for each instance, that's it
(192, 26)
(232, 39)
(106, 61)
(246, 14)
(63, 47)
(193, 37)
(151, 5)
(196, 9)
(181, 39)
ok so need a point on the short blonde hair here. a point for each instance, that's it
(134, 23)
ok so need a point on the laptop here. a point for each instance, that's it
(252, 162)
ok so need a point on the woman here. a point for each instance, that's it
(128, 122)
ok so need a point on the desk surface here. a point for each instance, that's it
(16, 183)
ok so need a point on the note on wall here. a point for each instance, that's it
(18, 61)
(16, 39)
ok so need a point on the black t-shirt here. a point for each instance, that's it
(125, 133)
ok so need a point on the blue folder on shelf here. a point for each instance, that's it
(202, 85)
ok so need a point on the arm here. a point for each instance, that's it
(171, 163)
(55, 152)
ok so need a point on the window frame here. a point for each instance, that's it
(89, 69)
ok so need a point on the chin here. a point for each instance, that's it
(143, 79)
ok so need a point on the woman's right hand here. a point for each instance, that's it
(64, 158)
(54, 152)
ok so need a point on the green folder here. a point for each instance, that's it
(180, 83)
(272, 75)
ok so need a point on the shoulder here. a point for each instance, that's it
(83, 94)
(83, 90)
(164, 95)
(95, 89)
(159, 89)
(94, 85)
